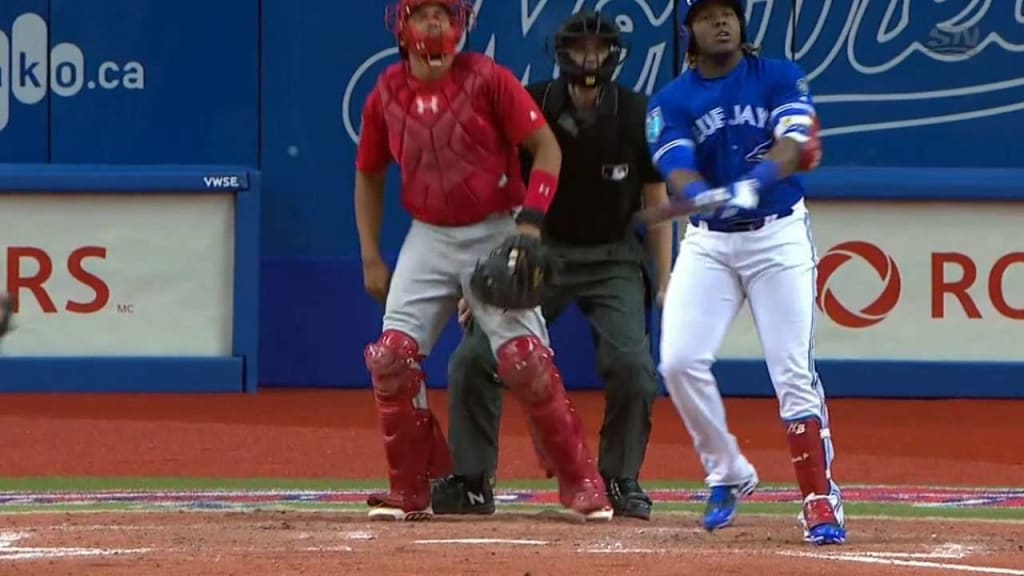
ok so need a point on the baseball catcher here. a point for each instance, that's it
(454, 123)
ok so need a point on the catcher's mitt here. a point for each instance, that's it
(517, 275)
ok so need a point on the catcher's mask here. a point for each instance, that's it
(435, 45)
(687, 9)
(591, 72)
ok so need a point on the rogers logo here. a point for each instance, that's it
(20, 279)
(887, 271)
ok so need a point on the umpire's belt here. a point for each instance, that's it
(748, 225)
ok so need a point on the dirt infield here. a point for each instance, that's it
(276, 543)
(333, 435)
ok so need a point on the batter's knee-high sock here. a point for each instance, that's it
(807, 448)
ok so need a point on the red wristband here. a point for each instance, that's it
(541, 191)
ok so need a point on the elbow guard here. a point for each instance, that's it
(810, 151)
(805, 131)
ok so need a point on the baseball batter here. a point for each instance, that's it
(453, 122)
(730, 134)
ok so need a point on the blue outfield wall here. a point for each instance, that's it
(275, 87)
(926, 115)
(322, 343)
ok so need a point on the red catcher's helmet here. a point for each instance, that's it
(435, 49)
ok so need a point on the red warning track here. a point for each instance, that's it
(333, 434)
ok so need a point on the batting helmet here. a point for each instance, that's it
(586, 25)
(687, 9)
(427, 45)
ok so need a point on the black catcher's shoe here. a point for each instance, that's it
(459, 494)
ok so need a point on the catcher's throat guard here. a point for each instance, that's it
(517, 275)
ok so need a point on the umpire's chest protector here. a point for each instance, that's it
(454, 160)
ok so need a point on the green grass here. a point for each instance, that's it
(752, 509)
(86, 485)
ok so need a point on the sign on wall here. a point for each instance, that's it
(912, 281)
(129, 81)
(119, 274)
(878, 69)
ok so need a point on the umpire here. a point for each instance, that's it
(606, 176)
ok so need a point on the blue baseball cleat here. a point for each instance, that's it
(823, 520)
(826, 534)
(721, 506)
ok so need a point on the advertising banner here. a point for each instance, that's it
(912, 281)
(119, 274)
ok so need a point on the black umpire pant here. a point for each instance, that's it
(608, 284)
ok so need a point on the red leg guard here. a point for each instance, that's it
(414, 444)
(808, 452)
(538, 450)
(525, 365)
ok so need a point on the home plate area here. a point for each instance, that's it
(531, 543)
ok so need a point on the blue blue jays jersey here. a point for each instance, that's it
(722, 127)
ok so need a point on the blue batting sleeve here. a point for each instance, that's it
(694, 189)
(766, 173)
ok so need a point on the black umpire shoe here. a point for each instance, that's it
(459, 494)
(628, 498)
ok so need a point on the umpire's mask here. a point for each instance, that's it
(588, 49)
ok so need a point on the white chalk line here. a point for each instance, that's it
(8, 551)
(949, 551)
(359, 535)
(913, 559)
(617, 548)
(475, 541)
(327, 549)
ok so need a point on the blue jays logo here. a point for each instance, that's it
(760, 151)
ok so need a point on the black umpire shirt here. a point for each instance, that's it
(605, 163)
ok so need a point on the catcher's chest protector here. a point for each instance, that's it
(444, 137)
